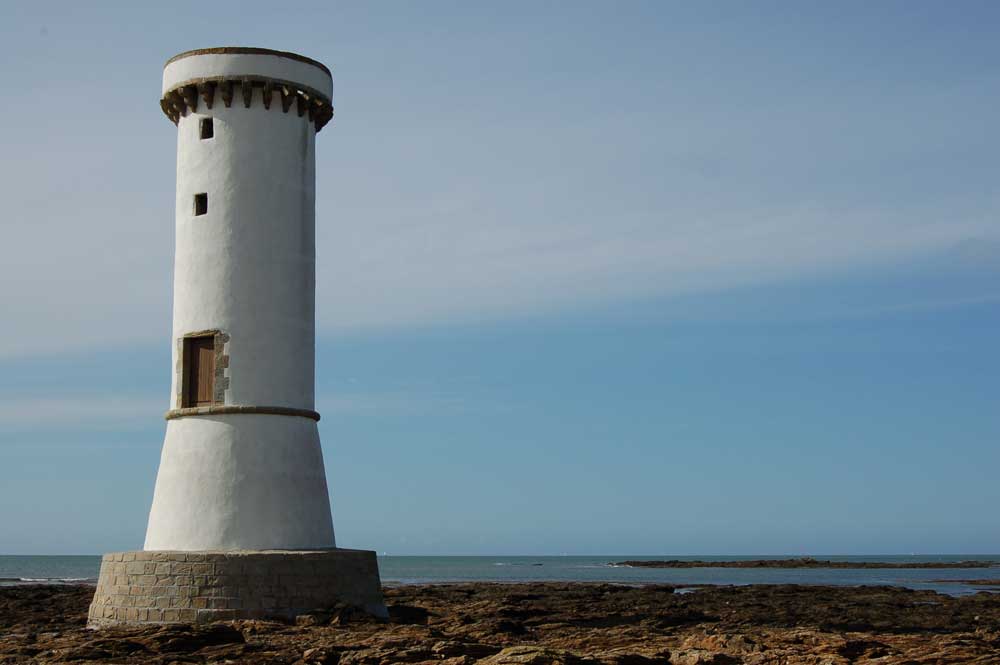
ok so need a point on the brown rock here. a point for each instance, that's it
(320, 656)
(529, 655)
(540, 624)
(451, 648)
(702, 657)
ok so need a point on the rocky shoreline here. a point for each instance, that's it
(804, 562)
(539, 624)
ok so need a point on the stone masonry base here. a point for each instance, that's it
(200, 587)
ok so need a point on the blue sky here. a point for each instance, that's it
(593, 278)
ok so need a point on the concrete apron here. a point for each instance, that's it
(156, 587)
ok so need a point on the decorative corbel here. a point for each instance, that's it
(207, 90)
(268, 91)
(247, 87)
(190, 94)
(323, 116)
(168, 110)
(227, 92)
(175, 100)
(286, 99)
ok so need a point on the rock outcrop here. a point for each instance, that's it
(539, 624)
(803, 562)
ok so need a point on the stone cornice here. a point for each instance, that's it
(187, 95)
(224, 409)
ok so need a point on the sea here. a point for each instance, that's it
(398, 570)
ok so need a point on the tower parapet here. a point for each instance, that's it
(274, 79)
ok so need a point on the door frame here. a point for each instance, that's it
(221, 375)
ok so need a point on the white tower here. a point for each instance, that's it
(242, 470)
(241, 465)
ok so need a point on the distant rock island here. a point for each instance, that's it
(805, 562)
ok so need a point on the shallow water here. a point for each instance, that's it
(432, 569)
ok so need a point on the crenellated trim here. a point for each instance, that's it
(184, 97)
(239, 408)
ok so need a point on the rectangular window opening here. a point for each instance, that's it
(198, 372)
(200, 204)
(207, 128)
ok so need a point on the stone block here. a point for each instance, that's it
(203, 569)
(255, 568)
(220, 586)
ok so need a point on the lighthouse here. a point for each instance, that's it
(240, 524)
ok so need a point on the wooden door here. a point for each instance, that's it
(199, 371)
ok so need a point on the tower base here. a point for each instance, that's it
(200, 587)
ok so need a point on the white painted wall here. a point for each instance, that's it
(240, 482)
(247, 267)
(210, 65)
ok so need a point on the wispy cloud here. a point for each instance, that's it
(79, 411)
(476, 264)
(469, 213)
(406, 403)
(928, 305)
(473, 263)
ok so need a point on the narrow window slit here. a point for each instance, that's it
(200, 204)
(207, 128)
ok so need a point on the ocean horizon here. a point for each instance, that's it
(421, 569)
